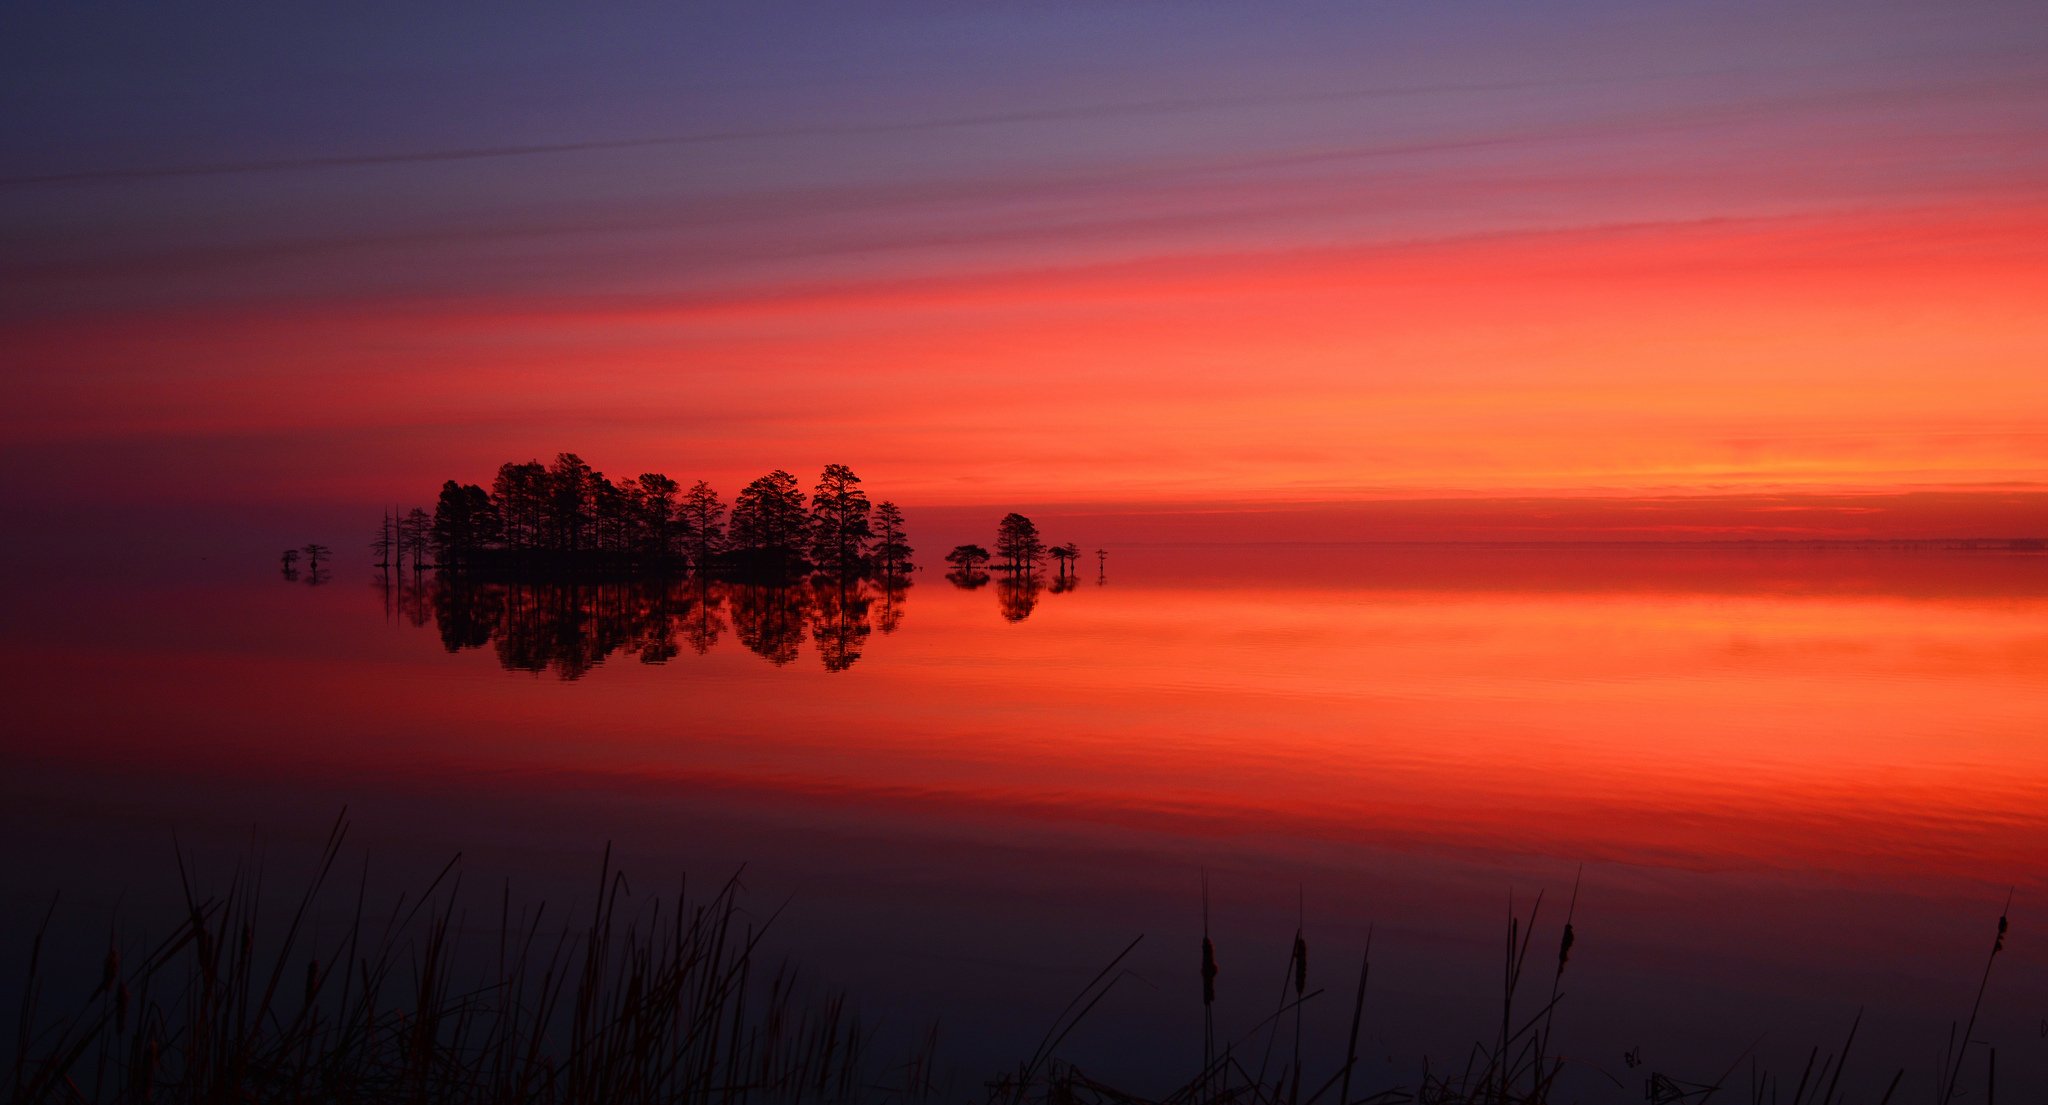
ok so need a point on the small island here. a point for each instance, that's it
(567, 520)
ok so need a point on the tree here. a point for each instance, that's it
(465, 522)
(610, 505)
(291, 560)
(839, 523)
(382, 546)
(416, 534)
(521, 494)
(769, 525)
(1065, 554)
(313, 555)
(571, 502)
(1017, 542)
(703, 515)
(658, 522)
(890, 550)
(967, 558)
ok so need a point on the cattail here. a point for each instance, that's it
(112, 968)
(1208, 972)
(1998, 945)
(1300, 964)
(1564, 947)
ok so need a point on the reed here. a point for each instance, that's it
(642, 1002)
(646, 1000)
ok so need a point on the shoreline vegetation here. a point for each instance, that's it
(652, 1001)
(567, 520)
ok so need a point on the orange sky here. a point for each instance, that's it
(1805, 280)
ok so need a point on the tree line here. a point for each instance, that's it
(567, 516)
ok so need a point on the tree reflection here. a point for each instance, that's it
(703, 624)
(769, 619)
(1017, 595)
(840, 625)
(568, 628)
(890, 617)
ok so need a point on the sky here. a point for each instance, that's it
(1319, 271)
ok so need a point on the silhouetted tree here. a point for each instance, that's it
(313, 555)
(611, 504)
(1101, 563)
(385, 543)
(659, 526)
(416, 536)
(521, 493)
(1017, 542)
(967, 558)
(290, 558)
(572, 501)
(1065, 554)
(839, 523)
(892, 554)
(704, 515)
(769, 525)
(465, 523)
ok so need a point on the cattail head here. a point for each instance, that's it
(1564, 947)
(1300, 964)
(1998, 945)
(312, 979)
(1208, 972)
(111, 970)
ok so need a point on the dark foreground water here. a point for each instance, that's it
(1791, 785)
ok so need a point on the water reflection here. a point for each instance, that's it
(1017, 592)
(1017, 596)
(570, 628)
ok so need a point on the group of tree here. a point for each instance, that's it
(567, 517)
(1019, 547)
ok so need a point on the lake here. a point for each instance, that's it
(1788, 785)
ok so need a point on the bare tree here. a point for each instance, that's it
(313, 555)
(416, 535)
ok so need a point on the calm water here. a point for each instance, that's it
(1797, 783)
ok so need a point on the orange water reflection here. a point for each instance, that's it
(1868, 725)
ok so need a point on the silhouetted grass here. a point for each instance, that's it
(658, 1006)
(666, 1005)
